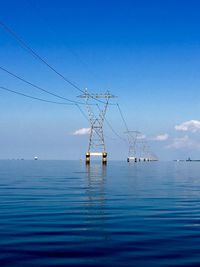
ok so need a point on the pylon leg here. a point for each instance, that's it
(104, 158)
(87, 158)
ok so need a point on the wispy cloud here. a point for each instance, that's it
(189, 126)
(161, 137)
(142, 136)
(82, 131)
(184, 142)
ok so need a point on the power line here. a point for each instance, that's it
(25, 46)
(110, 126)
(112, 129)
(33, 97)
(83, 113)
(36, 55)
(38, 87)
(44, 100)
(123, 119)
(85, 116)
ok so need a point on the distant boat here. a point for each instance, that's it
(35, 158)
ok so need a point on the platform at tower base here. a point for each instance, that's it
(103, 156)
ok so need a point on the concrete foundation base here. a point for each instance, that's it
(138, 159)
(103, 155)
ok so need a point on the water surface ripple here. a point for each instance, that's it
(62, 213)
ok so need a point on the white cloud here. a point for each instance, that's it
(161, 137)
(82, 131)
(142, 136)
(190, 126)
(184, 142)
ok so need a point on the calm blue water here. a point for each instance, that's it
(60, 213)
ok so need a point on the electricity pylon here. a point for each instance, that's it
(138, 147)
(132, 137)
(144, 154)
(96, 118)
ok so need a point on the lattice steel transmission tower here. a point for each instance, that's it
(132, 137)
(96, 115)
(138, 147)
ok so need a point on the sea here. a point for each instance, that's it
(64, 213)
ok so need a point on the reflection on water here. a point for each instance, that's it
(58, 213)
(96, 178)
(96, 175)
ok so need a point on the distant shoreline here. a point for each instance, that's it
(187, 160)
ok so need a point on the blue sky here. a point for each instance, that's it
(145, 52)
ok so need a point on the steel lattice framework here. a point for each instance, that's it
(138, 147)
(96, 114)
(132, 137)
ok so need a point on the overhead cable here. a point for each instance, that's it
(82, 112)
(112, 129)
(123, 119)
(33, 97)
(25, 46)
(38, 87)
(110, 126)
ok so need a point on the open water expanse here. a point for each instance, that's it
(62, 213)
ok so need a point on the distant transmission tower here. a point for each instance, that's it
(132, 137)
(138, 148)
(96, 118)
